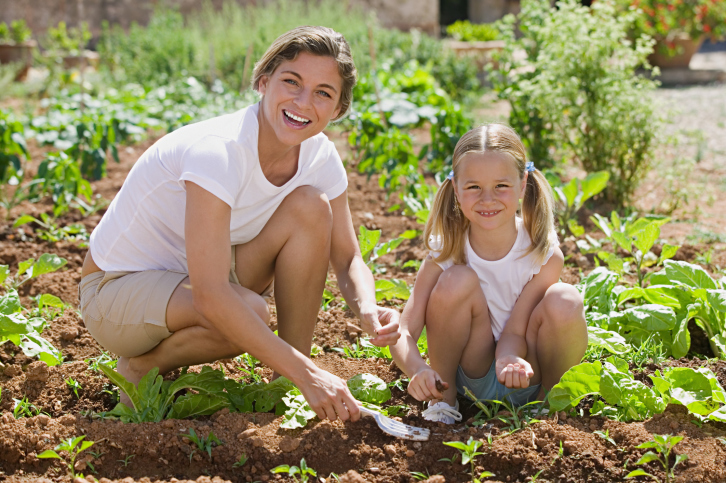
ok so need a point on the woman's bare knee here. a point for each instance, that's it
(309, 206)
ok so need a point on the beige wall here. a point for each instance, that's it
(487, 11)
(40, 14)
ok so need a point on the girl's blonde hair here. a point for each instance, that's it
(447, 227)
(321, 41)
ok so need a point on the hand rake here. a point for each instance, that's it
(395, 428)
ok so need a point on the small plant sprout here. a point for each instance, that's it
(663, 444)
(24, 408)
(73, 385)
(606, 436)
(72, 447)
(125, 462)
(469, 451)
(241, 461)
(204, 443)
(304, 472)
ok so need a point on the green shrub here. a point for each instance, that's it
(578, 90)
(470, 32)
(17, 33)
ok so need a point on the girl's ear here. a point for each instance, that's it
(524, 185)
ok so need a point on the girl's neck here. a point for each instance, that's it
(493, 245)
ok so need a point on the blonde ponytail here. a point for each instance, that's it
(447, 227)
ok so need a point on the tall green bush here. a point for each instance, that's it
(579, 92)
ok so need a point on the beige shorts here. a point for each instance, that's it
(126, 311)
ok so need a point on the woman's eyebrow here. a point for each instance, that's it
(300, 77)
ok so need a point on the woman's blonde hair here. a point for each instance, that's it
(447, 227)
(321, 41)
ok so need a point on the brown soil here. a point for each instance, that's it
(560, 448)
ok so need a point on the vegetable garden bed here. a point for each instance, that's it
(562, 446)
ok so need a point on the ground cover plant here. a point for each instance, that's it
(649, 392)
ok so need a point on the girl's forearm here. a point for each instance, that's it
(511, 344)
(406, 355)
(357, 285)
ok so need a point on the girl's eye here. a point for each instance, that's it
(502, 186)
(472, 187)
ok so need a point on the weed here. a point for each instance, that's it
(534, 477)
(125, 462)
(204, 443)
(304, 472)
(469, 451)
(516, 418)
(71, 446)
(663, 444)
(24, 408)
(50, 230)
(241, 462)
(651, 350)
(104, 358)
(606, 436)
(250, 365)
(73, 385)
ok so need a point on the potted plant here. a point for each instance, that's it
(67, 46)
(679, 27)
(16, 46)
(477, 41)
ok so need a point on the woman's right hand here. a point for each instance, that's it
(329, 396)
(423, 385)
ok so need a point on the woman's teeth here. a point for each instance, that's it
(296, 118)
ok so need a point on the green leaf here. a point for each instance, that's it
(367, 240)
(48, 300)
(23, 220)
(24, 266)
(280, 469)
(638, 472)
(667, 295)
(717, 299)
(10, 303)
(578, 382)
(647, 458)
(4, 273)
(593, 184)
(298, 413)
(651, 317)
(646, 238)
(390, 289)
(456, 444)
(47, 263)
(569, 191)
(34, 345)
(575, 228)
(688, 274)
(630, 293)
(667, 252)
(49, 453)
(122, 383)
(193, 405)
(260, 397)
(612, 341)
(369, 388)
(622, 240)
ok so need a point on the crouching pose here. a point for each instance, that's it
(497, 320)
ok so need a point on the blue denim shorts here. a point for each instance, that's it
(489, 387)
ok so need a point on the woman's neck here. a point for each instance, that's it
(495, 244)
(277, 160)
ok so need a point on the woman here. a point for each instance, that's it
(159, 287)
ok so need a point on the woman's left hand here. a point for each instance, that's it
(381, 323)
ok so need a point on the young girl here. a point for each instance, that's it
(497, 320)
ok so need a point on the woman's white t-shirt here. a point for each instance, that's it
(503, 280)
(143, 228)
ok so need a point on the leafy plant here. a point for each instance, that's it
(204, 443)
(23, 332)
(516, 418)
(31, 268)
(51, 231)
(469, 451)
(17, 33)
(73, 447)
(13, 150)
(663, 444)
(572, 196)
(22, 408)
(304, 471)
(369, 388)
(73, 385)
(241, 461)
(469, 32)
(576, 94)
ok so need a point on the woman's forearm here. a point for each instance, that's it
(357, 285)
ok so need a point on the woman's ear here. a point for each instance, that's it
(262, 85)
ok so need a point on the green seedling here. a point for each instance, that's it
(50, 230)
(516, 418)
(125, 462)
(663, 444)
(72, 447)
(251, 364)
(293, 471)
(31, 268)
(241, 462)
(204, 443)
(73, 385)
(469, 452)
(23, 408)
(104, 358)
(535, 477)
(606, 436)
(570, 197)
(417, 475)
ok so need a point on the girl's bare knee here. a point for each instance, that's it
(563, 307)
(455, 285)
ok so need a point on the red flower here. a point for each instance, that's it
(707, 28)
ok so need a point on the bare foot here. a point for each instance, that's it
(123, 367)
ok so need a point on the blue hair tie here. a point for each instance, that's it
(450, 175)
(529, 167)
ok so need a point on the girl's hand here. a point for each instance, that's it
(423, 385)
(381, 323)
(514, 372)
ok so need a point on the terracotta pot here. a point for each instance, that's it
(481, 52)
(11, 53)
(684, 44)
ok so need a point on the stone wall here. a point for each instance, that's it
(40, 14)
(487, 11)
